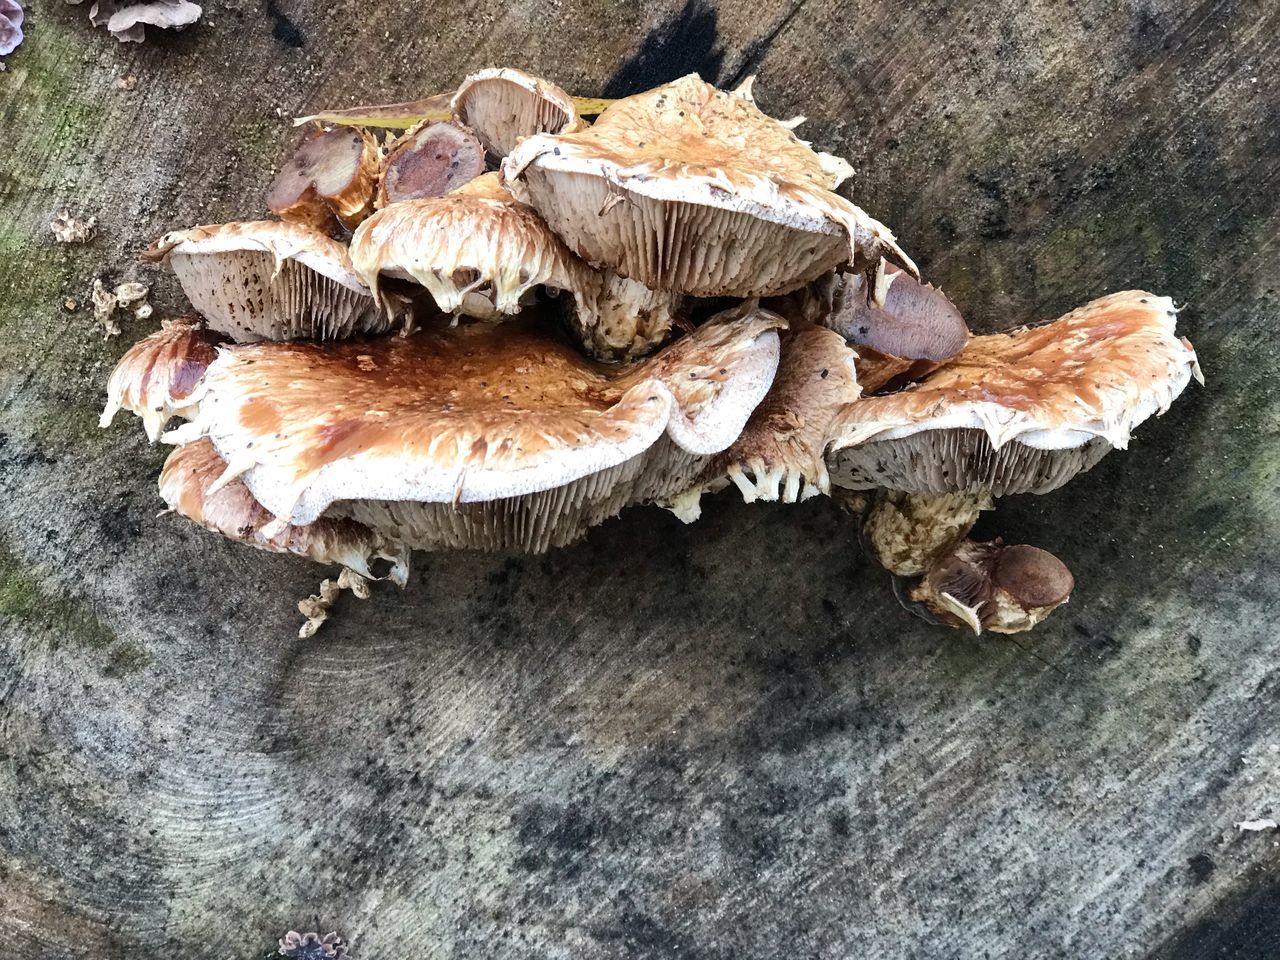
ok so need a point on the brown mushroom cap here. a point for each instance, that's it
(430, 160)
(692, 189)
(495, 436)
(994, 587)
(264, 280)
(1021, 412)
(503, 106)
(481, 253)
(157, 375)
(187, 484)
(331, 173)
(779, 454)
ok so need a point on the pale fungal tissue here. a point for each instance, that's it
(494, 319)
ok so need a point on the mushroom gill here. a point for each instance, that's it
(503, 105)
(478, 435)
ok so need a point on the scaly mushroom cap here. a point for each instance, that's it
(187, 486)
(1021, 412)
(331, 173)
(692, 189)
(991, 586)
(503, 106)
(264, 280)
(431, 159)
(494, 436)
(156, 376)
(779, 454)
(481, 253)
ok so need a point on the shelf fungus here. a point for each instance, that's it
(266, 280)
(695, 190)
(668, 302)
(479, 253)
(503, 106)
(332, 173)
(1021, 412)
(490, 436)
(157, 375)
(779, 455)
(431, 159)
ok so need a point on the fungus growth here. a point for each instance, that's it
(504, 360)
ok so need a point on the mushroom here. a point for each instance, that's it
(1021, 412)
(157, 375)
(915, 330)
(692, 189)
(189, 485)
(480, 253)
(127, 21)
(430, 160)
(11, 17)
(331, 173)
(478, 435)
(503, 105)
(264, 280)
(779, 455)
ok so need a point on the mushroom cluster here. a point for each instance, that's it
(499, 324)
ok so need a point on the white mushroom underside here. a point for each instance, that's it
(695, 248)
(249, 296)
(536, 522)
(504, 112)
(960, 461)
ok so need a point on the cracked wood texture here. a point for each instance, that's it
(716, 741)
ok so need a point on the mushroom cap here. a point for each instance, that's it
(126, 21)
(431, 159)
(268, 280)
(11, 17)
(466, 414)
(779, 454)
(488, 185)
(330, 173)
(187, 485)
(1020, 412)
(503, 105)
(157, 375)
(458, 244)
(692, 189)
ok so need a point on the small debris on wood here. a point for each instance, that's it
(11, 16)
(316, 609)
(312, 946)
(127, 83)
(1255, 826)
(70, 305)
(130, 295)
(67, 229)
(126, 21)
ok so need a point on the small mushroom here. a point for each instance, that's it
(189, 484)
(995, 587)
(912, 333)
(430, 160)
(480, 253)
(1021, 412)
(779, 455)
(478, 435)
(157, 375)
(330, 174)
(503, 105)
(695, 190)
(264, 280)
(126, 21)
(11, 16)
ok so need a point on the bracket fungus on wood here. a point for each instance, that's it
(695, 190)
(503, 106)
(479, 435)
(595, 246)
(1021, 412)
(266, 280)
(332, 173)
(157, 375)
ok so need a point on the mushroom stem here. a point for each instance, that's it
(908, 533)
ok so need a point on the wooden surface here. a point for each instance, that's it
(723, 740)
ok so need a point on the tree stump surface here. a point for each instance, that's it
(717, 741)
